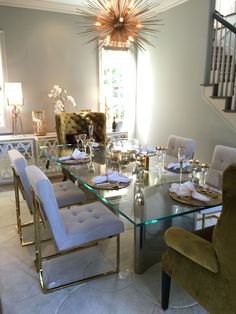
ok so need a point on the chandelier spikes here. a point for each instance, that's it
(118, 24)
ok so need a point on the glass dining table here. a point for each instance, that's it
(146, 203)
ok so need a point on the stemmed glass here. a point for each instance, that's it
(91, 144)
(90, 130)
(194, 167)
(205, 168)
(181, 158)
(159, 155)
(86, 144)
(80, 139)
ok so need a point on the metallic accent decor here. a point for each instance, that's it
(119, 24)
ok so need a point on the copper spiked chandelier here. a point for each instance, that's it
(119, 24)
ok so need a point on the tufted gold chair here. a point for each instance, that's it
(204, 262)
(69, 124)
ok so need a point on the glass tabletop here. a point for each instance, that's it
(156, 204)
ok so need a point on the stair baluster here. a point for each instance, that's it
(223, 63)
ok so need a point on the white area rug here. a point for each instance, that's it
(127, 292)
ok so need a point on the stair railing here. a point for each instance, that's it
(223, 63)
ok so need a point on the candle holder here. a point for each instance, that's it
(39, 122)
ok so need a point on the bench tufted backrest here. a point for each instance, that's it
(73, 123)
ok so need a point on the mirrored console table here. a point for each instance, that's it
(31, 147)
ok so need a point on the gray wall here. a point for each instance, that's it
(43, 49)
(174, 71)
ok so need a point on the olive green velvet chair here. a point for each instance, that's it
(204, 262)
(69, 124)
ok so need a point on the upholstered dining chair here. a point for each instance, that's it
(70, 124)
(66, 192)
(174, 142)
(78, 228)
(222, 157)
(204, 262)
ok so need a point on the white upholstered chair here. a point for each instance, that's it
(222, 157)
(77, 228)
(174, 142)
(67, 193)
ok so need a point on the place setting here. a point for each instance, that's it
(75, 157)
(190, 194)
(112, 180)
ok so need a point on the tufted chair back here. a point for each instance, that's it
(44, 190)
(207, 256)
(72, 123)
(174, 142)
(222, 157)
(19, 163)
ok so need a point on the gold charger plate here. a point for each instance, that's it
(107, 185)
(215, 198)
(75, 161)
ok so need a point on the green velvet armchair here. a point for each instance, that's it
(204, 262)
(69, 124)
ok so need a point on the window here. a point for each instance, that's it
(118, 88)
(4, 124)
(225, 7)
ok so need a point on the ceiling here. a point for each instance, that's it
(69, 6)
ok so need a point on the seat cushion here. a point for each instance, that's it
(89, 222)
(67, 194)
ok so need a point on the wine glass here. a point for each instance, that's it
(181, 158)
(204, 170)
(194, 167)
(91, 144)
(80, 138)
(159, 155)
(90, 130)
(164, 150)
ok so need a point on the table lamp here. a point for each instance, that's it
(14, 96)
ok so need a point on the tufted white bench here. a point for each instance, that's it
(75, 228)
(66, 192)
(223, 156)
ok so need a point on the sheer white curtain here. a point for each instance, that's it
(4, 123)
(118, 87)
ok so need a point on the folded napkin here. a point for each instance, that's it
(112, 177)
(176, 165)
(77, 154)
(187, 189)
(64, 158)
(99, 179)
(148, 150)
(96, 145)
(118, 177)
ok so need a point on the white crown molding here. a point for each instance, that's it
(45, 5)
(70, 6)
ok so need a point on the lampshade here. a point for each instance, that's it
(13, 93)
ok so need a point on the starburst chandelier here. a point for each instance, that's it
(119, 24)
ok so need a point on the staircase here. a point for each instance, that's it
(220, 91)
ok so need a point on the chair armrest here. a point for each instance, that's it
(193, 247)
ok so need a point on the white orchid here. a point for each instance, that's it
(61, 98)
